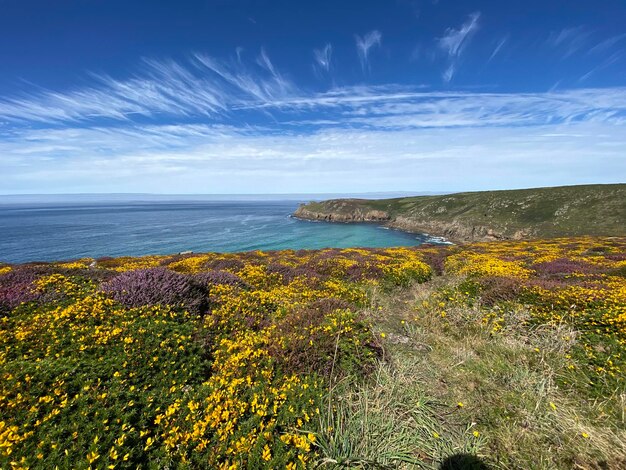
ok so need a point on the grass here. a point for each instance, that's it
(474, 216)
(389, 423)
(450, 386)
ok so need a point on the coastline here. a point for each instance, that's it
(521, 214)
(436, 239)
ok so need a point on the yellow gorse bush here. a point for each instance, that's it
(482, 264)
(86, 382)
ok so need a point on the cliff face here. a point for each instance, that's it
(453, 230)
(490, 215)
(357, 214)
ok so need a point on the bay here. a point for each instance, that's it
(62, 231)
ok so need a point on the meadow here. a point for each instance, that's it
(339, 358)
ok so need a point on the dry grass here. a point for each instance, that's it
(451, 385)
(390, 423)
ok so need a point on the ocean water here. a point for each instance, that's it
(62, 231)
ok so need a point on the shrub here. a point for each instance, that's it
(216, 277)
(158, 286)
(484, 265)
(361, 271)
(285, 271)
(290, 273)
(175, 259)
(564, 266)
(17, 286)
(621, 271)
(435, 257)
(325, 337)
(407, 271)
(496, 289)
(225, 264)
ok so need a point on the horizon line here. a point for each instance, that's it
(302, 194)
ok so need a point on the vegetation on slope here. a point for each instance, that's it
(516, 355)
(513, 354)
(488, 215)
(190, 362)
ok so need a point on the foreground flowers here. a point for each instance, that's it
(580, 282)
(209, 360)
(221, 360)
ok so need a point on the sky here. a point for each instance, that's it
(249, 97)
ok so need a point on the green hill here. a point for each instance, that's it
(489, 215)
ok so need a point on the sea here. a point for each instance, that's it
(61, 230)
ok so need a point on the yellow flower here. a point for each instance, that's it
(149, 442)
(267, 454)
(92, 457)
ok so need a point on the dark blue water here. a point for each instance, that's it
(60, 231)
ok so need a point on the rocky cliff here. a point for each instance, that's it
(338, 214)
(489, 215)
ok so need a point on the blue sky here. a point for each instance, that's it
(293, 97)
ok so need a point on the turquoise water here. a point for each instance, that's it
(61, 231)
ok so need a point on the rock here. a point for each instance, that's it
(355, 215)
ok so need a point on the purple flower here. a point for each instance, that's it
(156, 286)
(215, 277)
(17, 286)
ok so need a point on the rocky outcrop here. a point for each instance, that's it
(356, 215)
(454, 230)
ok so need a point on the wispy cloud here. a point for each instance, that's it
(364, 44)
(238, 52)
(569, 40)
(209, 90)
(607, 62)
(174, 126)
(454, 41)
(498, 48)
(200, 158)
(607, 44)
(203, 86)
(323, 57)
(264, 61)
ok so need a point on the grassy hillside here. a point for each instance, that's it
(488, 215)
(508, 354)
